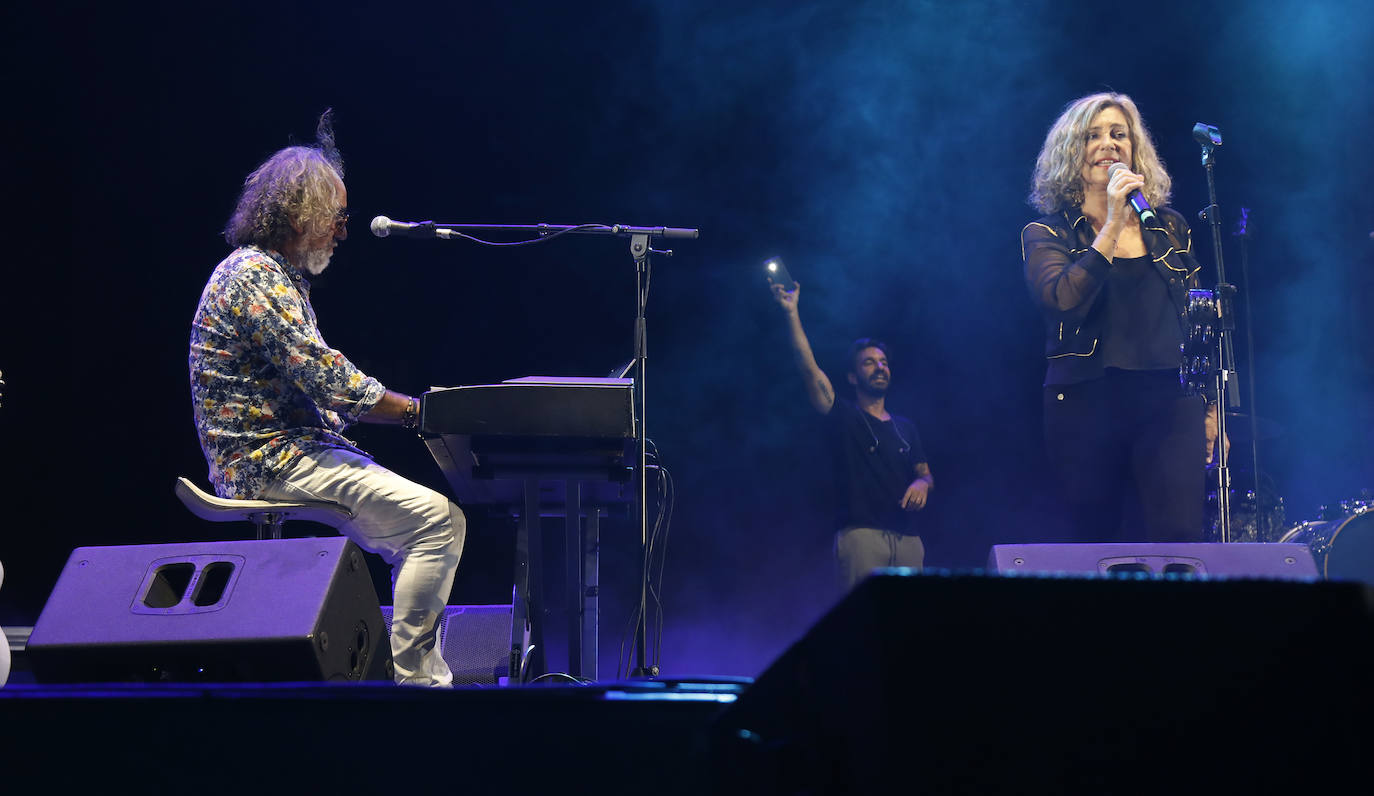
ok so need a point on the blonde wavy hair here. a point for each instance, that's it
(295, 188)
(1058, 179)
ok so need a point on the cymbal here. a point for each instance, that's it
(1238, 427)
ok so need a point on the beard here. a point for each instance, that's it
(315, 261)
(869, 388)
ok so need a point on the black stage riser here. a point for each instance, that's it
(995, 684)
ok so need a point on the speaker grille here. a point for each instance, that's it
(474, 641)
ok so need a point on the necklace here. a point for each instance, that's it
(906, 446)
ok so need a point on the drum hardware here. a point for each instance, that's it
(1258, 514)
(1346, 507)
(1242, 233)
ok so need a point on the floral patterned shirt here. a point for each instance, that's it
(264, 385)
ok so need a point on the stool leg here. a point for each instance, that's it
(268, 524)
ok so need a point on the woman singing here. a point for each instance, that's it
(1125, 441)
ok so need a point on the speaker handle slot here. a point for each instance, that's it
(1152, 566)
(187, 584)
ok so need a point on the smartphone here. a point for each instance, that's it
(777, 274)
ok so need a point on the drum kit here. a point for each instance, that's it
(1341, 538)
(1343, 544)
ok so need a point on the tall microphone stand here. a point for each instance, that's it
(641, 239)
(640, 250)
(1210, 138)
(1243, 233)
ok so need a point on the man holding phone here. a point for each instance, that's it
(881, 473)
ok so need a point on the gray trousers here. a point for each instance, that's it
(858, 551)
(416, 530)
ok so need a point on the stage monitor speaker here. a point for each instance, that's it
(268, 610)
(1035, 685)
(475, 642)
(1235, 560)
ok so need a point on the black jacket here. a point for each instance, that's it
(1066, 274)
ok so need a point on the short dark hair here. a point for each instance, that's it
(862, 343)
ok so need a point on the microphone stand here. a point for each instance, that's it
(1243, 233)
(641, 239)
(1210, 138)
(640, 251)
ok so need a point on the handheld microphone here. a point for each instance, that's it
(1136, 199)
(384, 227)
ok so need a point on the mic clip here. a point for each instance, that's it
(1206, 134)
(1209, 137)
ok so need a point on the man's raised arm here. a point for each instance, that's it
(818, 389)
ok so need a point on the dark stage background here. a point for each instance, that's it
(883, 148)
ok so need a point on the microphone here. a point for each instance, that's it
(1135, 198)
(383, 227)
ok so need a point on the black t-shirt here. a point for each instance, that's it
(1140, 330)
(875, 461)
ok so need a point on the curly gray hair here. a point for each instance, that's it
(295, 191)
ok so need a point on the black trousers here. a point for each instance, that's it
(1127, 452)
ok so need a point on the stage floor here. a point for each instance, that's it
(941, 683)
(633, 736)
